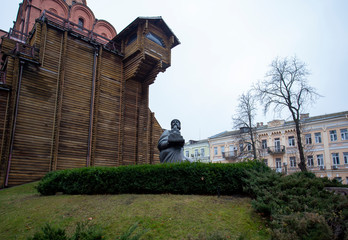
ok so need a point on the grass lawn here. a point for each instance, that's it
(23, 212)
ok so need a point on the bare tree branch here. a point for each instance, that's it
(245, 117)
(285, 87)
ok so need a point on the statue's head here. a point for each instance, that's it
(175, 124)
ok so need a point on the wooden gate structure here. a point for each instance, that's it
(72, 98)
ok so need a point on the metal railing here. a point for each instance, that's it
(66, 25)
(17, 35)
(26, 50)
(74, 28)
(205, 159)
(230, 155)
(276, 149)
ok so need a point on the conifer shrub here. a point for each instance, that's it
(298, 206)
(84, 231)
(183, 178)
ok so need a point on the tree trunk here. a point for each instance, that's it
(302, 163)
(253, 143)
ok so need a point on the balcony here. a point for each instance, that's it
(334, 167)
(276, 150)
(203, 159)
(230, 155)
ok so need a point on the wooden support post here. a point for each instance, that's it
(43, 43)
(122, 117)
(12, 78)
(136, 121)
(142, 125)
(96, 107)
(59, 103)
(150, 139)
(91, 114)
(15, 101)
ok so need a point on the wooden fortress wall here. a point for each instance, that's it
(72, 107)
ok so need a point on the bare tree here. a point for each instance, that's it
(286, 87)
(245, 116)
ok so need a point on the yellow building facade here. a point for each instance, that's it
(325, 140)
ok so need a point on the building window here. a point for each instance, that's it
(231, 148)
(320, 159)
(264, 144)
(202, 152)
(308, 138)
(222, 149)
(249, 146)
(344, 134)
(317, 137)
(310, 161)
(81, 23)
(215, 151)
(156, 39)
(345, 156)
(196, 153)
(187, 153)
(277, 144)
(292, 162)
(291, 141)
(241, 147)
(265, 161)
(333, 135)
(335, 159)
(278, 165)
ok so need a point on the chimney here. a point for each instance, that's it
(261, 123)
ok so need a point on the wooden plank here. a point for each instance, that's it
(74, 125)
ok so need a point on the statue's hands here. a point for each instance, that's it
(175, 139)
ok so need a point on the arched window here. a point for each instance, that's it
(153, 37)
(81, 23)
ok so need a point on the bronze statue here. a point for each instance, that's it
(171, 144)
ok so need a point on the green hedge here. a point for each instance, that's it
(184, 178)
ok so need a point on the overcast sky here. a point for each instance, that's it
(226, 46)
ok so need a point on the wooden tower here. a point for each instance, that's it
(70, 97)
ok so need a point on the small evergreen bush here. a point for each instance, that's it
(84, 231)
(49, 233)
(298, 206)
(184, 178)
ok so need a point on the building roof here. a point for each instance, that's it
(225, 134)
(193, 142)
(326, 116)
(158, 21)
(286, 123)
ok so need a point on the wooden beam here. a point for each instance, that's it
(59, 103)
(96, 106)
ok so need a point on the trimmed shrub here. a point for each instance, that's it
(184, 178)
